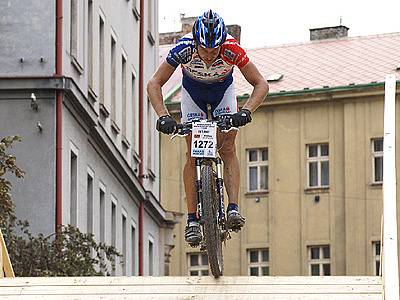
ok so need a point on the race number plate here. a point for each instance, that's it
(204, 139)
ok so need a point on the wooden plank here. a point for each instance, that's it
(207, 288)
(6, 266)
(118, 288)
(198, 289)
(200, 297)
(193, 280)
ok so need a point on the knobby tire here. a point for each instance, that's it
(211, 231)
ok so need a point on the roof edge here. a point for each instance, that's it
(297, 93)
(318, 90)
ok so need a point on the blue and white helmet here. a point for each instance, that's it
(209, 30)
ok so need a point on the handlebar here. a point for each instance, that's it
(223, 123)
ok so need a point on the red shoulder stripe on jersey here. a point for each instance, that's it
(233, 53)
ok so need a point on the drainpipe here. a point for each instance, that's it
(141, 113)
(59, 97)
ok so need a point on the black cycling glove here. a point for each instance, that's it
(166, 124)
(241, 118)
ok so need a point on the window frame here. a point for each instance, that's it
(318, 159)
(113, 58)
(376, 258)
(151, 253)
(151, 24)
(74, 184)
(135, 115)
(124, 241)
(320, 261)
(200, 267)
(376, 154)
(124, 94)
(133, 247)
(260, 263)
(90, 200)
(259, 163)
(102, 211)
(136, 9)
(76, 35)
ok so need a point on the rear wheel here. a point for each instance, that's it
(212, 234)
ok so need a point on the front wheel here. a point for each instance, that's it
(212, 234)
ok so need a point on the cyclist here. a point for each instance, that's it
(207, 57)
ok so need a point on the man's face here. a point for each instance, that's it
(208, 55)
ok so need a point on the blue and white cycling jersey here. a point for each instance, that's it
(204, 85)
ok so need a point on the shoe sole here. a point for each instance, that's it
(235, 225)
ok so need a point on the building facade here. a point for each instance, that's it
(310, 162)
(72, 79)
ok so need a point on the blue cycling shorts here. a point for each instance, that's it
(197, 95)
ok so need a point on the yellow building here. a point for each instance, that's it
(311, 160)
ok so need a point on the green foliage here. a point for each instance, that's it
(7, 165)
(67, 253)
(71, 253)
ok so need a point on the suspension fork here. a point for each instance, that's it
(199, 190)
(220, 189)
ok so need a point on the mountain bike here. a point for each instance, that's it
(209, 186)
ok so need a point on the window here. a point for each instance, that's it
(76, 34)
(102, 61)
(151, 146)
(257, 170)
(89, 196)
(123, 91)
(318, 165)
(151, 257)
(258, 262)
(377, 257)
(113, 227)
(319, 260)
(113, 80)
(102, 220)
(133, 250)
(113, 224)
(150, 21)
(124, 245)
(74, 28)
(90, 43)
(198, 264)
(377, 160)
(135, 114)
(73, 192)
(135, 9)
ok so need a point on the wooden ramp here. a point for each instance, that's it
(118, 288)
(6, 269)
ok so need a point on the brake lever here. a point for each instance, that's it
(230, 129)
(181, 132)
(178, 134)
